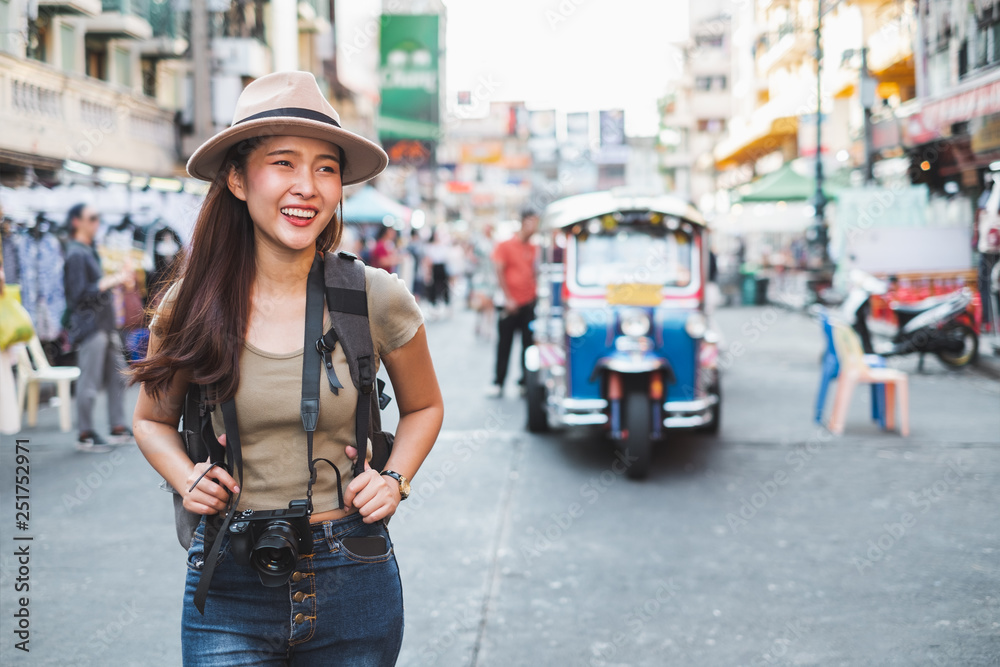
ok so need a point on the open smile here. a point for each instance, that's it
(299, 216)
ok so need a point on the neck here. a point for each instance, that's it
(83, 238)
(283, 273)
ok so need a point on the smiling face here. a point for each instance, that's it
(292, 186)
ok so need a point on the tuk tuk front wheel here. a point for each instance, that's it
(639, 425)
(535, 395)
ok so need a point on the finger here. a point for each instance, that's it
(222, 440)
(224, 478)
(376, 509)
(210, 493)
(360, 491)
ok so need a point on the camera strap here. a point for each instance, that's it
(235, 460)
(310, 368)
(315, 289)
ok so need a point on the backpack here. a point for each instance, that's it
(347, 301)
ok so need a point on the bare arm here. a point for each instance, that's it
(421, 412)
(510, 305)
(155, 426)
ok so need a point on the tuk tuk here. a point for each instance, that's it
(621, 336)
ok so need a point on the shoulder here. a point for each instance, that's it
(393, 313)
(380, 284)
(75, 249)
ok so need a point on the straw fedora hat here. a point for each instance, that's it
(288, 104)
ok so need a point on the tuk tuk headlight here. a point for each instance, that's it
(634, 322)
(575, 325)
(696, 325)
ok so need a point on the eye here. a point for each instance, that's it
(283, 162)
(329, 169)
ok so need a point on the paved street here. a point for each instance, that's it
(774, 543)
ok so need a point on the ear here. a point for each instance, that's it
(235, 183)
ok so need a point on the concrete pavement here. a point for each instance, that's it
(771, 544)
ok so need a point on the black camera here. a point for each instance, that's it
(271, 541)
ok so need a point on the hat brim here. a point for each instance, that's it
(363, 159)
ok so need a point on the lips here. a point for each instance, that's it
(299, 216)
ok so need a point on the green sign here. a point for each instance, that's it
(410, 80)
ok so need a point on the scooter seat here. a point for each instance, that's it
(920, 306)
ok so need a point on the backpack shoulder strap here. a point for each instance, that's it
(347, 300)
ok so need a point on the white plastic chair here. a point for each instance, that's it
(854, 369)
(31, 375)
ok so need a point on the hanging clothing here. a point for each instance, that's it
(41, 274)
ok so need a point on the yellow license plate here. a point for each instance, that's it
(634, 294)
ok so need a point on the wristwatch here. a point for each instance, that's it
(404, 484)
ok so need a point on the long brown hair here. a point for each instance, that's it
(203, 328)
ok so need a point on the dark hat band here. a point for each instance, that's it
(291, 112)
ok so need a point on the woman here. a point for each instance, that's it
(235, 321)
(384, 254)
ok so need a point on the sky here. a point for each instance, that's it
(568, 55)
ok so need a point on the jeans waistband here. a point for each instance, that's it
(337, 526)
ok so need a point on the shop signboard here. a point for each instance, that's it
(985, 133)
(976, 102)
(614, 149)
(410, 81)
(542, 136)
(578, 130)
(892, 230)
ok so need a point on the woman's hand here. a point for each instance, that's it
(211, 493)
(375, 496)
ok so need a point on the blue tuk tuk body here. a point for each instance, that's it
(622, 340)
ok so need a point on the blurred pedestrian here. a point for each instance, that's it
(516, 262)
(436, 255)
(384, 254)
(93, 331)
(415, 248)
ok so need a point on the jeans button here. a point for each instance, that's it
(299, 618)
(299, 597)
(296, 577)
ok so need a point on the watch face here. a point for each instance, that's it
(404, 486)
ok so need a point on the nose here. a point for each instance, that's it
(305, 184)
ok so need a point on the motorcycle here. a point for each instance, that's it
(941, 325)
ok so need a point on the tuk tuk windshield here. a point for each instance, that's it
(634, 255)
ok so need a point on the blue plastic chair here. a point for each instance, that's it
(831, 369)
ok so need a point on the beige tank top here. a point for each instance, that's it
(275, 466)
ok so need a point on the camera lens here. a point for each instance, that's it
(275, 553)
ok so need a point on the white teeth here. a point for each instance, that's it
(299, 212)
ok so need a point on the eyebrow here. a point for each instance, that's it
(288, 151)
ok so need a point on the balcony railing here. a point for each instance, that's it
(62, 116)
(791, 41)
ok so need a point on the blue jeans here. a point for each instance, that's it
(337, 609)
